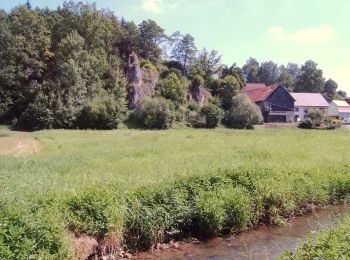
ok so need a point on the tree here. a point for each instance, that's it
(284, 78)
(228, 87)
(172, 88)
(184, 51)
(268, 73)
(251, 71)
(130, 39)
(310, 78)
(330, 90)
(29, 5)
(243, 113)
(342, 94)
(25, 50)
(212, 115)
(151, 35)
(206, 65)
(293, 70)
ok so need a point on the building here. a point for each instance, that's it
(340, 108)
(308, 101)
(275, 102)
(347, 100)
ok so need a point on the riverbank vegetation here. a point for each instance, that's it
(332, 243)
(132, 188)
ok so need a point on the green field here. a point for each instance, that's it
(91, 182)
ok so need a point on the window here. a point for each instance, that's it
(305, 111)
(305, 116)
(297, 109)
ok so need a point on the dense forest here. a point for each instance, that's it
(80, 67)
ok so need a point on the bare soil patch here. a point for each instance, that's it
(17, 143)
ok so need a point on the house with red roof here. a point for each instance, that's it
(340, 108)
(275, 102)
(304, 102)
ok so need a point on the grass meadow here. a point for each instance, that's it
(136, 188)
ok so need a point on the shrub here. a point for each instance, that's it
(196, 119)
(25, 235)
(156, 113)
(102, 113)
(243, 114)
(212, 115)
(315, 115)
(222, 210)
(37, 116)
(306, 124)
(172, 88)
(95, 213)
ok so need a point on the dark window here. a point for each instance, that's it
(297, 109)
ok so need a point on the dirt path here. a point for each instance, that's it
(17, 143)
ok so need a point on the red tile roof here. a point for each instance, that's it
(258, 92)
(344, 109)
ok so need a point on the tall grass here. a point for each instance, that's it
(137, 188)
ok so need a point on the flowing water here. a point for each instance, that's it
(264, 242)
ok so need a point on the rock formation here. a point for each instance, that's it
(141, 80)
(198, 95)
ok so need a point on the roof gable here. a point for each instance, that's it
(259, 92)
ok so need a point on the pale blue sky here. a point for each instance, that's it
(278, 30)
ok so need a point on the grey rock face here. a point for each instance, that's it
(142, 81)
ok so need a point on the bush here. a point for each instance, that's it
(222, 210)
(36, 235)
(37, 116)
(156, 113)
(196, 120)
(316, 116)
(95, 213)
(306, 124)
(212, 115)
(172, 88)
(102, 113)
(243, 114)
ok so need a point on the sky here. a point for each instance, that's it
(279, 30)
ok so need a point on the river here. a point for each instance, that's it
(263, 242)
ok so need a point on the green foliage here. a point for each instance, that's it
(310, 78)
(102, 113)
(37, 116)
(212, 115)
(34, 236)
(331, 243)
(172, 88)
(224, 209)
(316, 116)
(184, 50)
(93, 213)
(330, 90)
(156, 113)
(228, 87)
(243, 114)
(306, 124)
